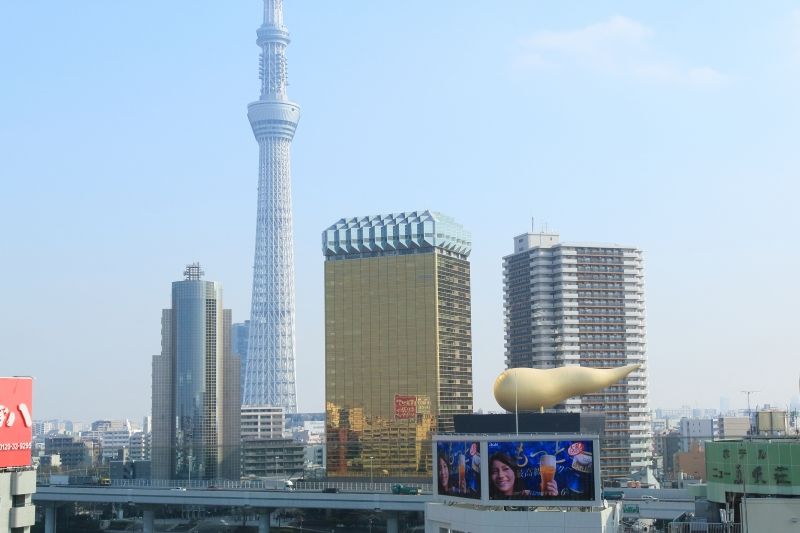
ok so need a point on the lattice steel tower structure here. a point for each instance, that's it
(269, 377)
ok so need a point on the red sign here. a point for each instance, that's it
(16, 422)
(405, 406)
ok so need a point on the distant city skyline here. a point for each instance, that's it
(670, 126)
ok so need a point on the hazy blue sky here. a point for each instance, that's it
(125, 152)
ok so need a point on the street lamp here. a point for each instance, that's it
(371, 478)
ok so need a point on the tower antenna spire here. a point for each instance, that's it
(273, 38)
(273, 13)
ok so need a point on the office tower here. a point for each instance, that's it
(583, 304)
(196, 393)
(269, 375)
(240, 333)
(398, 346)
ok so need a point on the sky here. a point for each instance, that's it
(125, 153)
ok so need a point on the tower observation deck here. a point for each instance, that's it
(270, 372)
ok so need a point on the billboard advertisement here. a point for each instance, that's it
(458, 469)
(16, 423)
(547, 470)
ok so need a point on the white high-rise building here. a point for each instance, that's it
(140, 446)
(269, 375)
(263, 422)
(114, 437)
(583, 304)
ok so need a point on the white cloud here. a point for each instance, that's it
(618, 46)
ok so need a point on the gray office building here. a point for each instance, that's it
(240, 332)
(196, 394)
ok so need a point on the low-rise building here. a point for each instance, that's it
(759, 479)
(695, 430)
(732, 427)
(691, 464)
(74, 452)
(272, 457)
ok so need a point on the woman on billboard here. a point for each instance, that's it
(506, 483)
(444, 476)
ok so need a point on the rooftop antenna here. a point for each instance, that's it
(749, 392)
(193, 272)
(533, 225)
(749, 411)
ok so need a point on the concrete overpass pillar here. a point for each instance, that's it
(392, 523)
(148, 519)
(263, 522)
(50, 519)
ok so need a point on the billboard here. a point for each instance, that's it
(16, 423)
(405, 407)
(458, 469)
(543, 469)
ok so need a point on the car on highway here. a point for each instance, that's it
(402, 489)
(613, 495)
(648, 498)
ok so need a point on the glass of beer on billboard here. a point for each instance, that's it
(547, 471)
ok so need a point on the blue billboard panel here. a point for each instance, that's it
(458, 469)
(542, 470)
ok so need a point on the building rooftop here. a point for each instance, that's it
(395, 232)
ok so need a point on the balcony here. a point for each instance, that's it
(20, 517)
(23, 482)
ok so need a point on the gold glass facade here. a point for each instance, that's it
(398, 359)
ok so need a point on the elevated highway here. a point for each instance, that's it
(663, 504)
(255, 499)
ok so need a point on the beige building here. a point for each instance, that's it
(733, 426)
(398, 347)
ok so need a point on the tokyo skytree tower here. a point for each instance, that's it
(269, 375)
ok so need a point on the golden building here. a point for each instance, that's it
(398, 346)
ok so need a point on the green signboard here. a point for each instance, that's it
(752, 467)
(630, 509)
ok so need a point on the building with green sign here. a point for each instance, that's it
(769, 467)
(755, 482)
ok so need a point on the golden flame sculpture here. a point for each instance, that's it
(528, 389)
